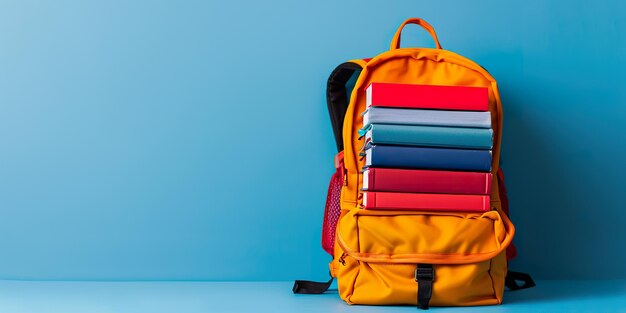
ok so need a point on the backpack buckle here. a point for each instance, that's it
(424, 274)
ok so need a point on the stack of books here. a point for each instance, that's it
(427, 147)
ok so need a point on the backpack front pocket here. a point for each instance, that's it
(381, 250)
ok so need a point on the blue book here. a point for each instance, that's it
(381, 115)
(428, 158)
(428, 136)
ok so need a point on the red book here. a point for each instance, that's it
(426, 181)
(428, 97)
(425, 202)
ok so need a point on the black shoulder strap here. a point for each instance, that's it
(311, 287)
(337, 96)
(512, 278)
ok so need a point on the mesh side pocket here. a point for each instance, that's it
(332, 212)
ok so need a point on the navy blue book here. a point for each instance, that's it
(428, 158)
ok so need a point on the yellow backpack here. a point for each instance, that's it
(411, 257)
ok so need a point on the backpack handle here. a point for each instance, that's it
(395, 43)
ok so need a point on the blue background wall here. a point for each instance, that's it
(190, 140)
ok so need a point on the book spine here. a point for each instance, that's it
(431, 136)
(428, 158)
(371, 178)
(428, 97)
(427, 181)
(381, 115)
(369, 200)
(426, 202)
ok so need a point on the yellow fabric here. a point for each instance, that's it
(377, 251)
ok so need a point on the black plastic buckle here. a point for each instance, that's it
(424, 274)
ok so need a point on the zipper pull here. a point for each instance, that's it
(342, 260)
(364, 131)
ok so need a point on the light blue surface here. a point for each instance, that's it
(276, 297)
(190, 140)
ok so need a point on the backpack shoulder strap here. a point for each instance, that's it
(338, 92)
(311, 287)
(512, 279)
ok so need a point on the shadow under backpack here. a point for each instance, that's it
(401, 257)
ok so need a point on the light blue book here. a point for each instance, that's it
(428, 136)
(379, 115)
